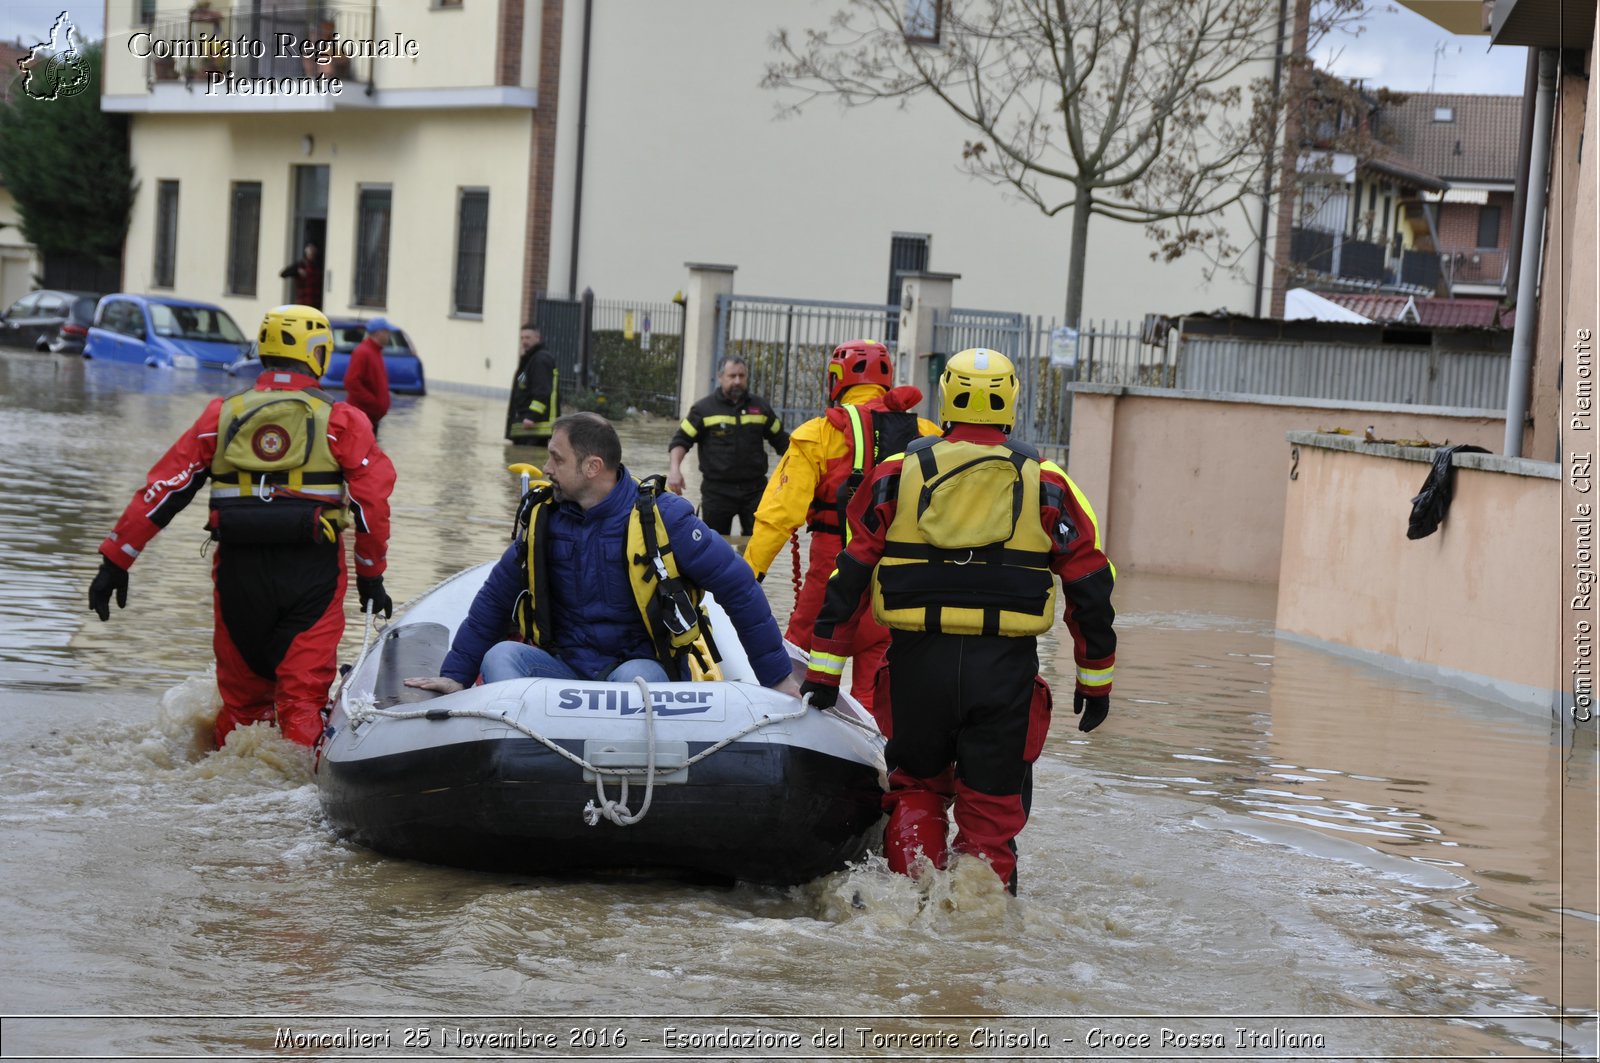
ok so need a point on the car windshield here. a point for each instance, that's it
(194, 323)
(83, 308)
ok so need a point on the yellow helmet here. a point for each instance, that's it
(299, 333)
(979, 386)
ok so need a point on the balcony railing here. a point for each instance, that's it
(269, 39)
(1362, 264)
(1476, 266)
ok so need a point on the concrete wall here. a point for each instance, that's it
(18, 260)
(1568, 285)
(425, 157)
(1472, 604)
(1194, 484)
(687, 160)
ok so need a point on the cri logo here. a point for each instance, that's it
(270, 442)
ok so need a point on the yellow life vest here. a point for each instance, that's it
(966, 553)
(273, 460)
(669, 607)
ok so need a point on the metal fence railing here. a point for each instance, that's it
(296, 39)
(617, 353)
(1048, 359)
(786, 344)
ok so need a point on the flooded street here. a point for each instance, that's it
(1267, 851)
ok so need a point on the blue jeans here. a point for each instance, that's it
(517, 660)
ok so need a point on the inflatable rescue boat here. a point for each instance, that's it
(722, 780)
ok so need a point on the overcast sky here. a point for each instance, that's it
(1399, 50)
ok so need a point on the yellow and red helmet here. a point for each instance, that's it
(979, 386)
(299, 333)
(859, 362)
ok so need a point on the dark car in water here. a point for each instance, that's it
(37, 315)
(68, 339)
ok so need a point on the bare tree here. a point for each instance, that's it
(1159, 113)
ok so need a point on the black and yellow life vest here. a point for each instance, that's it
(966, 553)
(547, 412)
(670, 607)
(273, 477)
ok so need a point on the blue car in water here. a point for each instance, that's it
(399, 358)
(164, 332)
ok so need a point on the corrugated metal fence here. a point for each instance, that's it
(1412, 375)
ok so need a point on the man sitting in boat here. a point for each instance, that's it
(605, 582)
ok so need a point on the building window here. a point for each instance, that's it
(244, 235)
(372, 247)
(1444, 114)
(1488, 227)
(165, 267)
(922, 20)
(144, 12)
(472, 240)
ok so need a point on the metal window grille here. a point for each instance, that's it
(372, 247)
(908, 253)
(165, 266)
(472, 238)
(244, 235)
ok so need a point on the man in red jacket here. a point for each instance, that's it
(290, 468)
(366, 379)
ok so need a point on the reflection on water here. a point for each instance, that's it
(1260, 829)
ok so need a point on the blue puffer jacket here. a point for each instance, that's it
(595, 620)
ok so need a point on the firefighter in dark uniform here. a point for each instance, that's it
(959, 541)
(290, 469)
(733, 428)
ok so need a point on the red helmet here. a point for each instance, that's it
(858, 362)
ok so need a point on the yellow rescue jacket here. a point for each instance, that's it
(273, 477)
(669, 607)
(966, 553)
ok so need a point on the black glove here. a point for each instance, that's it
(823, 695)
(370, 589)
(1093, 707)
(109, 578)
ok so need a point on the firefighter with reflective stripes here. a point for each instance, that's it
(290, 468)
(732, 428)
(829, 459)
(959, 545)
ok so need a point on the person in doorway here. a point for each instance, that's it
(959, 544)
(290, 469)
(534, 390)
(732, 428)
(604, 581)
(366, 378)
(307, 274)
(828, 459)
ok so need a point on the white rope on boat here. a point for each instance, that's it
(363, 708)
(617, 811)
